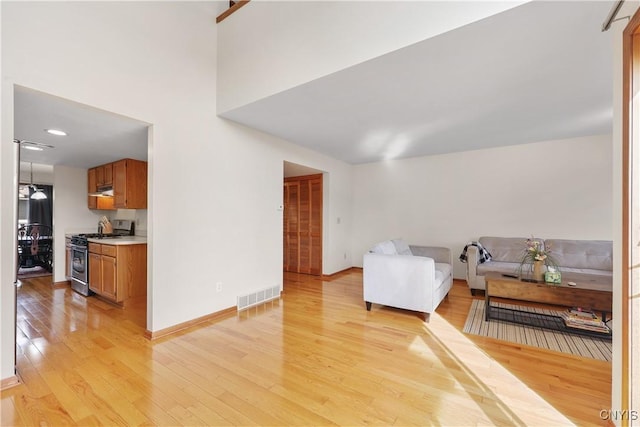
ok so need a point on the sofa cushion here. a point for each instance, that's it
(589, 271)
(582, 254)
(402, 247)
(443, 270)
(505, 249)
(386, 248)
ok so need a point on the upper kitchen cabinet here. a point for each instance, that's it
(104, 175)
(130, 184)
(92, 187)
(123, 185)
(97, 202)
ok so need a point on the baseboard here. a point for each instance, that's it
(346, 270)
(7, 383)
(63, 284)
(184, 325)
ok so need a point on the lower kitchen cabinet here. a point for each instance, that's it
(118, 272)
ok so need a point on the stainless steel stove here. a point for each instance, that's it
(80, 253)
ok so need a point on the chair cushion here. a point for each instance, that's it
(443, 271)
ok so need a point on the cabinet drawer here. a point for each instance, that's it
(95, 248)
(109, 250)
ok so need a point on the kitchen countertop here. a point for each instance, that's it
(123, 240)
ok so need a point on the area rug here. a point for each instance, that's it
(578, 345)
(28, 273)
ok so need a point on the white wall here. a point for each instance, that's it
(70, 212)
(559, 189)
(294, 42)
(42, 174)
(214, 186)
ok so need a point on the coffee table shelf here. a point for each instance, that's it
(539, 320)
(594, 293)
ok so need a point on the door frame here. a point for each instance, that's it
(630, 277)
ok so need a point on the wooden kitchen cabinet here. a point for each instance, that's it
(92, 186)
(93, 177)
(95, 272)
(130, 184)
(129, 180)
(118, 272)
(110, 278)
(104, 175)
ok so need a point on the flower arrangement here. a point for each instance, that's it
(535, 252)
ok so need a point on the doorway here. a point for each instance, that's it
(91, 137)
(35, 221)
(303, 196)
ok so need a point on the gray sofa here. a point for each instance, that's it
(579, 256)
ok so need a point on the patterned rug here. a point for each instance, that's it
(578, 345)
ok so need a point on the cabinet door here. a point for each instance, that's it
(92, 201)
(109, 277)
(99, 175)
(95, 273)
(120, 184)
(108, 173)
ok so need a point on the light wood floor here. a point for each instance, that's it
(315, 357)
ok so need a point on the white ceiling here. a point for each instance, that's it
(94, 137)
(540, 71)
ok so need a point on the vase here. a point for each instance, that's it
(538, 271)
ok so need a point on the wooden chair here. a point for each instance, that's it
(35, 246)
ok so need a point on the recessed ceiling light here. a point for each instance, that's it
(56, 132)
(32, 147)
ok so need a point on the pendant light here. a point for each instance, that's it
(37, 192)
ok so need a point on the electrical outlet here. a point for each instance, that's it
(219, 287)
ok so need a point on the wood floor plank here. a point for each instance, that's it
(314, 357)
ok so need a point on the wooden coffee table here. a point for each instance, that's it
(594, 292)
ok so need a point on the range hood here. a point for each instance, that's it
(103, 191)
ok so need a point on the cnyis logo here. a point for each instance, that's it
(619, 415)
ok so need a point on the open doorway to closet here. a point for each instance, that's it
(302, 229)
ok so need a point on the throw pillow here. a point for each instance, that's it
(402, 247)
(386, 248)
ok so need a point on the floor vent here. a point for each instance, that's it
(249, 300)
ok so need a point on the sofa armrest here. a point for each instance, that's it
(472, 263)
(438, 254)
(403, 281)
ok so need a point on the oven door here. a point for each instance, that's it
(79, 263)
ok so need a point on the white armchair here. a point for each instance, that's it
(409, 277)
